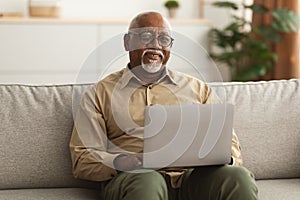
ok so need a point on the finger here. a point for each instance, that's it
(140, 156)
(138, 161)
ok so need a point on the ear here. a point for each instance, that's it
(126, 39)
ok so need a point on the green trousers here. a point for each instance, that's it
(201, 183)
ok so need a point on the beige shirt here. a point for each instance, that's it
(110, 120)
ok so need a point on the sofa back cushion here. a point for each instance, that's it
(35, 128)
(37, 121)
(267, 122)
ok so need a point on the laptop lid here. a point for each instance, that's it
(187, 135)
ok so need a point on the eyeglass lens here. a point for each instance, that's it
(148, 37)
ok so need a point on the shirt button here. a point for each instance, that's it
(150, 87)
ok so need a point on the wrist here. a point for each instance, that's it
(117, 160)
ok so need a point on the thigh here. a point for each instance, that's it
(138, 185)
(218, 182)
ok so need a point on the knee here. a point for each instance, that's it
(238, 173)
(150, 183)
(148, 178)
(240, 178)
(137, 185)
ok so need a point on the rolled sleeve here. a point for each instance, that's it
(88, 144)
(236, 150)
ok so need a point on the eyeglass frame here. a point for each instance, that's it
(153, 38)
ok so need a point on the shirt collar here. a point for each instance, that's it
(128, 76)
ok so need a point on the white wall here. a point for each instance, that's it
(115, 9)
(13, 6)
(121, 9)
(66, 53)
(126, 9)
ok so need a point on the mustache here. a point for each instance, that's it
(154, 51)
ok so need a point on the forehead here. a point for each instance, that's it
(157, 30)
(150, 20)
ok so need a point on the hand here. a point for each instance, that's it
(128, 162)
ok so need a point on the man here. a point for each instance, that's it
(107, 140)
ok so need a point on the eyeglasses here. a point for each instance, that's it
(147, 37)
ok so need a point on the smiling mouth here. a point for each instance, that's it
(152, 56)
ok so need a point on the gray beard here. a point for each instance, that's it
(151, 67)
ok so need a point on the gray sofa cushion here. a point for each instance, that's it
(50, 194)
(36, 124)
(267, 121)
(35, 128)
(283, 189)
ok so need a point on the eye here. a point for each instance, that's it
(165, 40)
(146, 37)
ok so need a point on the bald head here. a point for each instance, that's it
(149, 19)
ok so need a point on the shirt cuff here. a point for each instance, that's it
(108, 159)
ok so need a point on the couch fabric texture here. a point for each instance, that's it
(37, 121)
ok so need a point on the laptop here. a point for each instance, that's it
(187, 135)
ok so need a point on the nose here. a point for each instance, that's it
(154, 44)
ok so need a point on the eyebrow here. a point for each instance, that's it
(150, 29)
(159, 33)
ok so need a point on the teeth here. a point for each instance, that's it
(153, 53)
(152, 61)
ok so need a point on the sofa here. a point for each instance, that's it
(36, 123)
